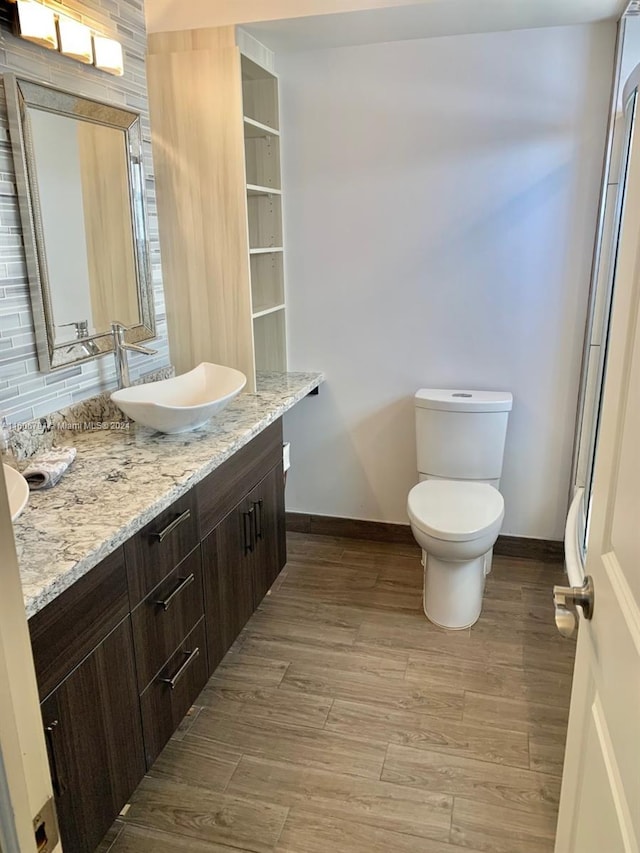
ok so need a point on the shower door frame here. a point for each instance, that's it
(595, 281)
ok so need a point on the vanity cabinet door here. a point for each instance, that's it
(226, 487)
(269, 556)
(227, 563)
(69, 628)
(93, 730)
(241, 558)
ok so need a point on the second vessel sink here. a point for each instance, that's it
(183, 403)
(17, 490)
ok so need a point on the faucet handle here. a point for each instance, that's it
(118, 329)
(139, 348)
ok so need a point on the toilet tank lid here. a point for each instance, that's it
(460, 400)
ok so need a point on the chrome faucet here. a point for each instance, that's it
(120, 349)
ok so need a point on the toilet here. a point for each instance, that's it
(456, 510)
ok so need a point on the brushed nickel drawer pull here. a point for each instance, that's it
(183, 583)
(258, 508)
(172, 526)
(249, 541)
(56, 779)
(191, 656)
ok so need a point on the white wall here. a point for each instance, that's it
(440, 207)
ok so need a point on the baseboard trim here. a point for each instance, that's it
(543, 550)
(351, 528)
(521, 547)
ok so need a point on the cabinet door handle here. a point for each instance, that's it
(56, 778)
(183, 583)
(162, 534)
(248, 530)
(257, 505)
(191, 656)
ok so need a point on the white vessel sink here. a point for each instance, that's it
(17, 490)
(183, 403)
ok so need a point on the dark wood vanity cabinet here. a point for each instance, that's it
(171, 650)
(94, 741)
(123, 653)
(160, 546)
(269, 555)
(84, 659)
(241, 507)
(165, 617)
(228, 582)
(173, 691)
(242, 557)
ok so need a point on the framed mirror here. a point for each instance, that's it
(80, 181)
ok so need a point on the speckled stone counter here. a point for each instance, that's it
(122, 479)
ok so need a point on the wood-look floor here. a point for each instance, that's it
(342, 721)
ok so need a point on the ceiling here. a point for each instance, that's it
(295, 25)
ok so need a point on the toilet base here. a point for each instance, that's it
(488, 562)
(452, 596)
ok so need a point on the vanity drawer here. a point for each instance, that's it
(158, 548)
(166, 616)
(173, 691)
(225, 487)
(64, 632)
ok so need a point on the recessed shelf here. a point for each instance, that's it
(259, 93)
(262, 161)
(264, 250)
(264, 211)
(256, 130)
(264, 311)
(267, 281)
(270, 341)
(254, 189)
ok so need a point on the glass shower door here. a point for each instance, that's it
(599, 333)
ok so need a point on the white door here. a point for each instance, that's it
(25, 784)
(600, 799)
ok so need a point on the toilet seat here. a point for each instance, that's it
(454, 510)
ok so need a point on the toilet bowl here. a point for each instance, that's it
(456, 523)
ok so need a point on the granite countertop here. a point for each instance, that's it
(122, 478)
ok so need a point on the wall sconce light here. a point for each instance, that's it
(75, 40)
(107, 55)
(36, 23)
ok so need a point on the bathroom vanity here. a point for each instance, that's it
(125, 643)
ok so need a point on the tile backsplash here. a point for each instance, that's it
(25, 393)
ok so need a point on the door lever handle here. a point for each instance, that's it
(567, 599)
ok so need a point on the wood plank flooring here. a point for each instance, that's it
(342, 721)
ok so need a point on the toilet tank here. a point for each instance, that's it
(460, 435)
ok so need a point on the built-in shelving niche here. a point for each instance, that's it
(267, 281)
(269, 335)
(259, 94)
(264, 214)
